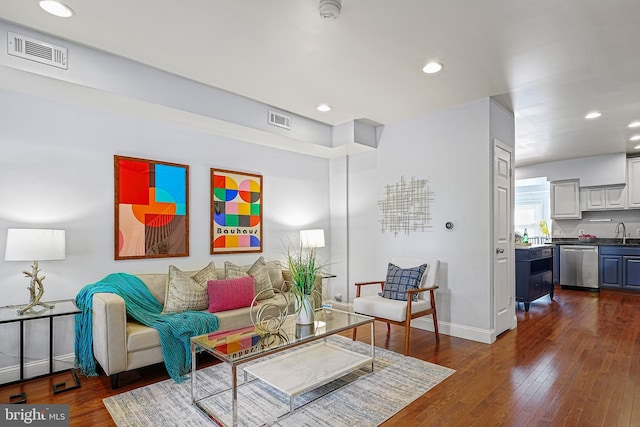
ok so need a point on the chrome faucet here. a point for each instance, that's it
(624, 231)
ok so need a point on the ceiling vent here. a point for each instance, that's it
(280, 120)
(36, 50)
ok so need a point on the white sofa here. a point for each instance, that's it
(122, 344)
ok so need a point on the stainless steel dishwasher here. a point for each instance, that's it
(579, 266)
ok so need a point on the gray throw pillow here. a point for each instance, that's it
(188, 291)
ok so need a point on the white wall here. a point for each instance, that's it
(592, 171)
(452, 150)
(95, 74)
(56, 170)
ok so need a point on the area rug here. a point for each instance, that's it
(358, 399)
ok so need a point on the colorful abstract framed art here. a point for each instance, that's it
(151, 209)
(236, 212)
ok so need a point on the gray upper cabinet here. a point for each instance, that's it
(565, 199)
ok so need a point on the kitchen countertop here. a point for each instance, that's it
(598, 242)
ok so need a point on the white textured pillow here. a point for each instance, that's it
(260, 273)
(188, 291)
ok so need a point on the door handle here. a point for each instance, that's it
(499, 251)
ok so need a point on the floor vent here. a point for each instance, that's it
(280, 120)
(36, 50)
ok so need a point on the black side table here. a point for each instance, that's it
(10, 314)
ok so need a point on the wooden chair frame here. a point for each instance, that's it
(410, 314)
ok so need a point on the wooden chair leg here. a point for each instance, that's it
(407, 335)
(435, 317)
(388, 328)
(355, 332)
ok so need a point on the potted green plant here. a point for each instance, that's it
(304, 269)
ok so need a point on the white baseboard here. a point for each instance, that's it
(459, 331)
(36, 368)
(454, 330)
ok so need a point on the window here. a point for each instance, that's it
(531, 205)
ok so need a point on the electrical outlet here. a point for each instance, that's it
(580, 231)
(637, 231)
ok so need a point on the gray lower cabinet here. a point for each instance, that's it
(534, 274)
(619, 267)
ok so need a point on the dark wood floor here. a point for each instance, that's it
(571, 362)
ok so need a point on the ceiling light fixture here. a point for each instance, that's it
(593, 115)
(56, 8)
(634, 124)
(635, 138)
(324, 108)
(432, 67)
(637, 147)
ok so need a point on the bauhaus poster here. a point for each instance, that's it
(236, 212)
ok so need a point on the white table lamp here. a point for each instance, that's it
(26, 244)
(312, 239)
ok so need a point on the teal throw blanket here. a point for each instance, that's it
(175, 329)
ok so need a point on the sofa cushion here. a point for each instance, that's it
(260, 272)
(399, 280)
(228, 294)
(140, 337)
(186, 290)
(385, 308)
(156, 283)
(288, 280)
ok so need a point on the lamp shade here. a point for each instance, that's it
(312, 238)
(29, 244)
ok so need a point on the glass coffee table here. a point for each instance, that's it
(316, 362)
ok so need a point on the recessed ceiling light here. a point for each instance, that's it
(635, 138)
(324, 108)
(593, 115)
(634, 124)
(56, 8)
(432, 67)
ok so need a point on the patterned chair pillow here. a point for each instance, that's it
(399, 280)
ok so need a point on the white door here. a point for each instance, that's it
(503, 247)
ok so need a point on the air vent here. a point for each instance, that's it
(36, 50)
(280, 120)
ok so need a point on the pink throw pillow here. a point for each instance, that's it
(227, 294)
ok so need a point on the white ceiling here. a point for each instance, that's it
(551, 60)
